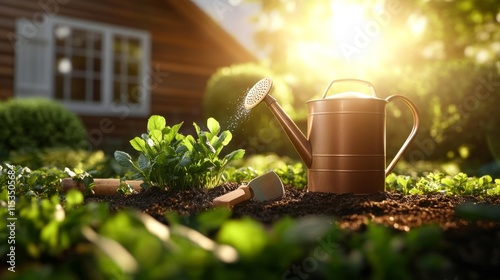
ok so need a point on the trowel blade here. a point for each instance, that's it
(267, 186)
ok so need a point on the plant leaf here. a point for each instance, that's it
(143, 163)
(189, 142)
(123, 159)
(228, 136)
(213, 126)
(197, 128)
(234, 155)
(156, 122)
(138, 144)
(156, 136)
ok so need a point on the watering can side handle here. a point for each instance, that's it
(413, 133)
(372, 87)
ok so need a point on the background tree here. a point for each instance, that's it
(442, 54)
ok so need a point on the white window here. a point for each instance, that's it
(92, 68)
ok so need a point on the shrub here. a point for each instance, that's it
(36, 123)
(256, 131)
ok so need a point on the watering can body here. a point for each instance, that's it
(345, 145)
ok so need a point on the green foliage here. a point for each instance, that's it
(30, 124)
(459, 184)
(256, 130)
(456, 101)
(60, 237)
(40, 183)
(95, 162)
(57, 240)
(478, 212)
(290, 172)
(170, 159)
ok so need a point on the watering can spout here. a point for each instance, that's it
(260, 92)
(299, 141)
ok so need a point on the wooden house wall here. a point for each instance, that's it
(186, 49)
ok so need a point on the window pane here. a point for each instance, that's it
(133, 69)
(117, 45)
(96, 93)
(117, 66)
(63, 64)
(133, 92)
(97, 65)
(97, 42)
(79, 62)
(59, 87)
(134, 49)
(78, 89)
(79, 39)
(62, 32)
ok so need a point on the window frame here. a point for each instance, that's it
(106, 106)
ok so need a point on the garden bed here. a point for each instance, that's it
(473, 247)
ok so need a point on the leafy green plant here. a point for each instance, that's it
(170, 159)
(40, 183)
(295, 175)
(459, 184)
(290, 172)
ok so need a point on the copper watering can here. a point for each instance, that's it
(345, 147)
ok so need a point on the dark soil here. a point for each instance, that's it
(473, 246)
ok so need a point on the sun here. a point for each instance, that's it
(356, 35)
(345, 17)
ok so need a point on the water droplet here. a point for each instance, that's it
(240, 116)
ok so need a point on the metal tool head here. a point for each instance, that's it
(267, 186)
(257, 93)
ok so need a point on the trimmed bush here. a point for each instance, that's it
(256, 131)
(37, 123)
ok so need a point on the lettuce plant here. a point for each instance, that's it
(170, 159)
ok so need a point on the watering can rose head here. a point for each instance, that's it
(345, 145)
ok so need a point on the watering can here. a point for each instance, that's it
(345, 146)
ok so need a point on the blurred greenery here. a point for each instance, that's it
(96, 162)
(36, 123)
(61, 237)
(443, 55)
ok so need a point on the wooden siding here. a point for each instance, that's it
(187, 47)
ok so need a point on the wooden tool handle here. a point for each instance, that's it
(230, 199)
(102, 186)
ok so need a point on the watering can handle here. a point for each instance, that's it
(372, 88)
(416, 124)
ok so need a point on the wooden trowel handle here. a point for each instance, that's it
(102, 186)
(230, 199)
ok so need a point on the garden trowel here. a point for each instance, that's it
(265, 187)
